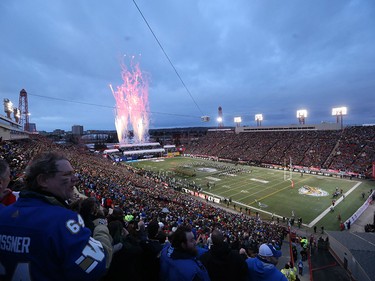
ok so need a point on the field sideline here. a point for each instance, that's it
(269, 191)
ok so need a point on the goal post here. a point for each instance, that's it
(288, 170)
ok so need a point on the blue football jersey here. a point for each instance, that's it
(43, 241)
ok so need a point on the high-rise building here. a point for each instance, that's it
(77, 130)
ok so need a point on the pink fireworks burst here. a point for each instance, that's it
(132, 104)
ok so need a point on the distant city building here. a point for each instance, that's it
(58, 132)
(77, 130)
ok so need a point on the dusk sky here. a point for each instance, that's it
(248, 56)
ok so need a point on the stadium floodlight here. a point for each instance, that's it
(219, 121)
(301, 115)
(220, 117)
(259, 119)
(238, 121)
(16, 114)
(339, 112)
(8, 107)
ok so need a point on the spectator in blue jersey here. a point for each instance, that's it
(263, 266)
(7, 197)
(40, 238)
(178, 261)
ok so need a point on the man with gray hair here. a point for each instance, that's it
(40, 238)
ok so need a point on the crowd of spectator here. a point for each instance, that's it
(144, 208)
(141, 200)
(350, 150)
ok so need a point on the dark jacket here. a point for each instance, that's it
(224, 264)
(127, 263)
(151, 259)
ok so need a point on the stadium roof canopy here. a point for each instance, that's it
(356, 251)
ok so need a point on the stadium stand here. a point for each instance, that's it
(144, 197)
(349, 151)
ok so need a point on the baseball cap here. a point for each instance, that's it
(267, 250)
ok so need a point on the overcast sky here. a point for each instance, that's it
(248, 56)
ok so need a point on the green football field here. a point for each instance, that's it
(269, 191)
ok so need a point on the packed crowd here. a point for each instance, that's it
(142, 213)
(137, 219)
(351, 149)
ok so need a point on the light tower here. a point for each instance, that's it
(220, 117)
(24, 109)
(301, 115)
(238, 121)
(339, 112)
(259, 119)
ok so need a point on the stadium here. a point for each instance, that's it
(259, 183)
(123, 169)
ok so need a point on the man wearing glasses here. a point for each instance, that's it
(40, 238)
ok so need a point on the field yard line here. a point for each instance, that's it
(259, 191)
(239, 203)
(268, 195)
(256, 209)
(326, 211)
(237, 184)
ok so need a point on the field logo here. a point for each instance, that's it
(258, 180)
(312, 191)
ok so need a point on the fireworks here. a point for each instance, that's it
(132, 104)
